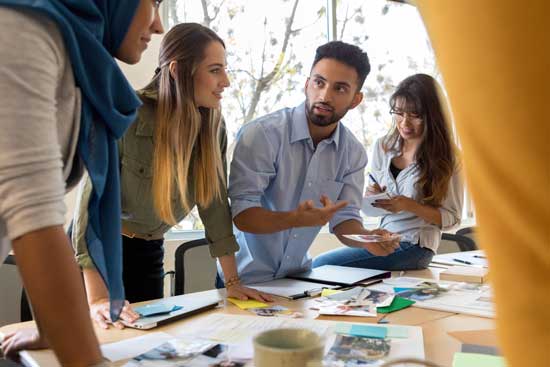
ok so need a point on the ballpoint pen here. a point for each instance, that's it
(377, 184)
(463, 261)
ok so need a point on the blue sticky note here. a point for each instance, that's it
(369, 331)
(399, 290)
(155, 309)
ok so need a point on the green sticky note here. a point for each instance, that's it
(397, 304)
(398, 332)
(477, 360)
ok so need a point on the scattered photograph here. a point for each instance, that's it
(349, 351)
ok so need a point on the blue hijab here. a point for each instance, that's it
(93, 31)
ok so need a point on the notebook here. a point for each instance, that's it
(190, 304)
(291, 288)
(341, 275)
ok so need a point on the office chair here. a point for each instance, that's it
(24, 307)
(464, 243)
(178, 276)
(469, 232)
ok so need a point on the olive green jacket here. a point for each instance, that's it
(136, 179)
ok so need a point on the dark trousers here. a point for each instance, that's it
(142, 269)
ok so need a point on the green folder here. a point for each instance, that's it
(397, 304)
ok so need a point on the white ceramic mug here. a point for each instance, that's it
(288, 348)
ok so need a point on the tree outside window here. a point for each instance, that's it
(270, 47)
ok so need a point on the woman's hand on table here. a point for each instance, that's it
(100, 313)
(243, 293)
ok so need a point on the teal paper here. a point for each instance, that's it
(156, 309)
(365, 331)
(398, 289)
(398, 332)
(477, 360)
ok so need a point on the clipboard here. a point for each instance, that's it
(291, 288)
(341, 275)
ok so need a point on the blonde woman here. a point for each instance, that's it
(172, 158)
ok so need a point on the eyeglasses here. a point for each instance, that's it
(399, 116)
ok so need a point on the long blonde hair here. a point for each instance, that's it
(181, 126)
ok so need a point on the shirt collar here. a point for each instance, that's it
(299, 129)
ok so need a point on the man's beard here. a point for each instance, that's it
(322, 120)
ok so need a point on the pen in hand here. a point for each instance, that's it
(378, 185)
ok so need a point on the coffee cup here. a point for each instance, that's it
(288, 348)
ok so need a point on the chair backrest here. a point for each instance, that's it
(469, 232)
(464, 243)
(193, 260)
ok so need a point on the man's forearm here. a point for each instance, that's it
(261, 221)
(53, 283)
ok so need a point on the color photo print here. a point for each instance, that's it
(352, 351)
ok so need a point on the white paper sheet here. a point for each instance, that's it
(370, 210)
(466, 258)
(238, 331)
(133, 347)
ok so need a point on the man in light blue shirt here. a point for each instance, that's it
(298, 168)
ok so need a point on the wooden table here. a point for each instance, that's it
(438, 345)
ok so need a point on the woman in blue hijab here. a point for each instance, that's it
(64, 103)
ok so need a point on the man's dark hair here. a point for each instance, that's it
(347, 54)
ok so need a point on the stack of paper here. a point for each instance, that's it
(467, 274)
(358, 301)
(467, 298)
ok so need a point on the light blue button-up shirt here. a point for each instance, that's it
(276, 166)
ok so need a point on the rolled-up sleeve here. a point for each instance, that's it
(451, 208)
(352, 190)
(32, 186)
(252, 168)
(217, 216)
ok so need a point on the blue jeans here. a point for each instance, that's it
(408, 256)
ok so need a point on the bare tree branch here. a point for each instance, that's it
(244, 71)
(206, 18)
(347, 19)
(265, 82)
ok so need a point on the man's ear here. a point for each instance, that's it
(172, 67)
(305, 85)
(356, 100)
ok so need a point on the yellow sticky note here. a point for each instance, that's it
(249, 303)
(328, 292)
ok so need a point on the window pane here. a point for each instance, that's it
(398, 46)
(270, 47)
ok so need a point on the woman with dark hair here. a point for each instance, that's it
(416, 164)
(172, 158)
